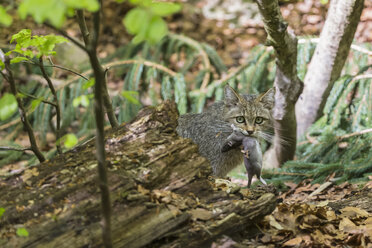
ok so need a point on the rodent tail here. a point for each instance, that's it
(263, 181)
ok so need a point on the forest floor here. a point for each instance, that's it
(308, 215)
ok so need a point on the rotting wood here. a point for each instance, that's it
(162, 195)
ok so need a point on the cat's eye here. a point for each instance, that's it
(240, 119)
(259, 120)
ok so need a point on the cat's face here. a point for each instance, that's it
(248, 112)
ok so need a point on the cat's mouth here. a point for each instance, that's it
(243, 131)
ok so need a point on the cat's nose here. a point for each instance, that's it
(250, 132)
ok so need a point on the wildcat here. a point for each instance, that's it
(211, 128)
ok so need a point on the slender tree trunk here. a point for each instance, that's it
(288, 85)
(99, 89)
(329, 58)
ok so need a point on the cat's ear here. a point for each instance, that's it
(231, 96)
(267, 98)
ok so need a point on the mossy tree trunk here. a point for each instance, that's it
(161, 192)
(287, 84)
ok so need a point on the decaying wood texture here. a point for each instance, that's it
(161, 192)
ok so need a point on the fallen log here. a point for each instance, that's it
(161, 192)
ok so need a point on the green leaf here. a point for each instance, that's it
(46, 44)
(54, 11)
(22, 232)
(70, 140)
(5, 18)
(157, 30)
(35, 103)
(141, 2)
(44, 10)
(2, 210)
(323, 1)
(29, 46)
(83, 100)
(22, 37)
(90, 5)
(8, 106)
(164, 8)
(21, 95)
(131, 96)
(18, 59)
(2, 65)
(136, 20)
(88, 84)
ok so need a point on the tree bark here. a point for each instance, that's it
(328, 59)
(288, 85)
(160, 189)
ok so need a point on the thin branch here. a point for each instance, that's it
(23, 114)
(34, 97)
(101, 98)
(64, 33)
(203, 54)
(58, 110)
(91, 46)
(144, 62)
(65, 69)
(57, 66)
(355, 134)
(18, 149)
(4, 76)
(83, 27)
(313, 140)
(353, 46)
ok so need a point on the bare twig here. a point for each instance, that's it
(22, 112)
(313, 140)
(18, 149)
(369, 130)
(56, 103)
(353, 46)
(57, 66)
(144, 62)
(101, 97)
(65, 69)
(91, 42)
(320, 189)
(34, 97)
(64, 33)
